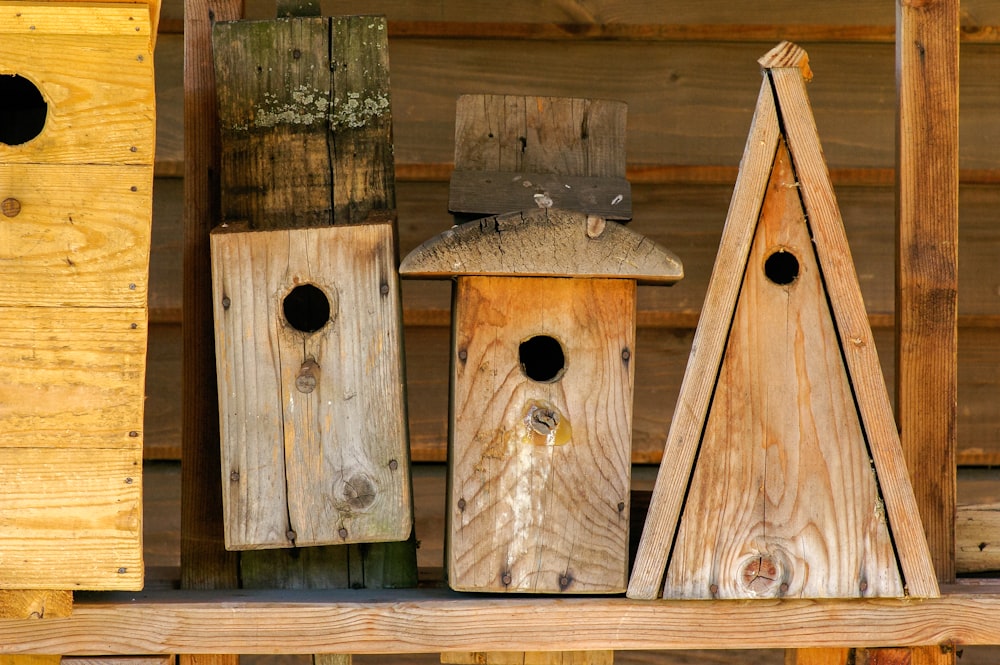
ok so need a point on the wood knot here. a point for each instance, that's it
(761, 576)
(359, 492)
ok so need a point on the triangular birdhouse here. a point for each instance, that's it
(785, 476)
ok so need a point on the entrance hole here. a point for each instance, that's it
(306, 308)
(781, 267)
(23, 111)
(542, 358)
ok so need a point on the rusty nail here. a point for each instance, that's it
(864, 586)
(384, 289)
(122, 571)
(713, 589)
(11, 207)
(134, 326)
(784, 587)
(128, 481)
(234, 476)
(290, 534)
(226, 302)
(393, 465)
(139, 57)
(461, 505)
(296, 53)
(564, 581)
(131, 287)
(626, 355)
(133, 149)
(133, 434)
(506, 578)
(133, 188)
(463, 355)
(621, 506)
(342, 533)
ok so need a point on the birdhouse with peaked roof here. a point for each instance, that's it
(77, 135)
(786, 475)
(543, 343)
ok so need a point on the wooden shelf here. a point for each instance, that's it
(435, 620)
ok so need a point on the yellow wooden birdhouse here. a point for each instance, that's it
(77, 128)
(543, 338)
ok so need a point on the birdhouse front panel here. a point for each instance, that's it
(77, 130)
(540, 434)
(313, 414)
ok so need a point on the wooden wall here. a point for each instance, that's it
(688, 71)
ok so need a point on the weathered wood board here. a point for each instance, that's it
(313, 415)
(76, 175)
(540, 469)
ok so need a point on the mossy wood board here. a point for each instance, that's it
(791, 423)
(306, 122)
(313, 421)
(76, 169)
(540, 466)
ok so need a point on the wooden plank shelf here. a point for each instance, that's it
(437, 620)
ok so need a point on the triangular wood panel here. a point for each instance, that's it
(786, 474)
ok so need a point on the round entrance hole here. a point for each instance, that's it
(306, 308)
(781, 267)
(542, 358)
(23, 112)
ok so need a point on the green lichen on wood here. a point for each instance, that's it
(304, 105)
(357, 111)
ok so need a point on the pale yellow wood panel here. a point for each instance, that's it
(70, 518)
(72, 377)
(783, 500)
(80, 236)
(317, 415)
(99, 93)
(35, 604)
(536, 508)
(111, 19)
(603, 657)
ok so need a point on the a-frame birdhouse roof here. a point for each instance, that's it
(783, 411)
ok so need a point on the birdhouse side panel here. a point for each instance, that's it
(74, 235)
(316, 312)
(540, 434)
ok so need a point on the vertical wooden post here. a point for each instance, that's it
(927, 262)
(205, 563)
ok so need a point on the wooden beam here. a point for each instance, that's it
(927, 262)
(435, 620)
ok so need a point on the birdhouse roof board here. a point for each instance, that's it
(543, 242)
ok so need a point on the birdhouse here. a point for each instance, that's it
(542, 360)
(77, 129)
(308, 319)
(785, 474)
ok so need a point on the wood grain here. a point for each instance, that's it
(927, 262)
(532, 508)
(81, 237)
(783, 500)
(314, 433)
(38, 604)
(204, 560)
(432, 620)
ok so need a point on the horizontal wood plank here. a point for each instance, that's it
(72, 518)
(81, 235)
(430, 620)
